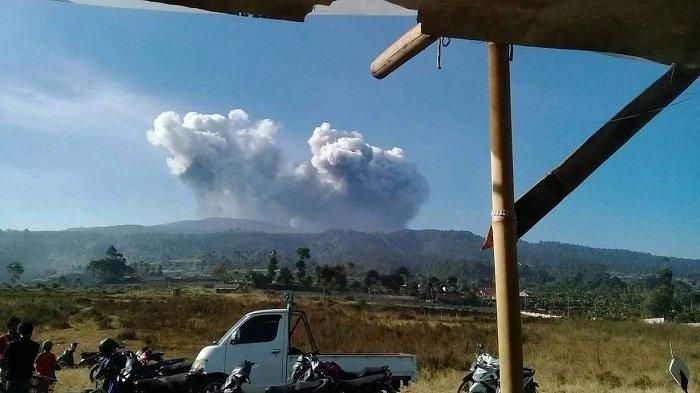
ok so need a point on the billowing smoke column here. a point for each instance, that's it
(234, 166)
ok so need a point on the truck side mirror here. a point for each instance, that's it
(236, 337)
(680, 373)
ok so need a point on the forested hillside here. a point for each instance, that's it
(434, 252)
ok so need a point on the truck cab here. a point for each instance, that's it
(264, 337)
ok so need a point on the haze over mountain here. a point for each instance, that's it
(247, 243)
(207, 225)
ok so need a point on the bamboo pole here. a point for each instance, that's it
(503, 222)
(401, 51)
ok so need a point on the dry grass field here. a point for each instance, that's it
(569, 355)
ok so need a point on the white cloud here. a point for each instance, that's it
(234, 167)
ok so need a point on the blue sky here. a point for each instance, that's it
(80, 86)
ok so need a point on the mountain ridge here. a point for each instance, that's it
(429, 251)
(202, 226)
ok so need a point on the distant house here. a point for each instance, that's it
(654, 320)
(449, 290)
(486, 293)
(524, 300)
(490, 295)
(153, 279)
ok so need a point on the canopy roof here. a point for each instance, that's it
(658, 30)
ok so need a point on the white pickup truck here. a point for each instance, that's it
(264, 337)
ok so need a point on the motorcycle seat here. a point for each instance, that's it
(300, 387)
(177, 368)
(366, 372)
(171, 361)
(174, 383)
(353, 384)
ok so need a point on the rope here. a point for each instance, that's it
(443, 42)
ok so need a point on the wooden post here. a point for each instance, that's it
(510, 351)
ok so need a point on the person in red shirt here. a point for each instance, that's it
(45, 367)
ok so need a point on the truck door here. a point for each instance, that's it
(259, 339)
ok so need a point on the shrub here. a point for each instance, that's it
(609, 380)
(643, 382)
(127, 334)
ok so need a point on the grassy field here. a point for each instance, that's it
(569, 355)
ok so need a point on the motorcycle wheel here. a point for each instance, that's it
(93, 372)
(211, 387)
(530, 388)
(464, 387)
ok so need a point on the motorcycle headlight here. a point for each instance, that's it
(198, 365)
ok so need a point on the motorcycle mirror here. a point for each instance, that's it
(680, 372)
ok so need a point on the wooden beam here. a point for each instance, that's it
(565, 178)
(401, 51)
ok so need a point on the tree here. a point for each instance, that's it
(286, 278)
(258, 280)
(111, 269)
(221, 271)
(404, 273)
(392, 282)
(432, 286)
(665, 277)
(113, 254)
(331, 277)
(452, 281)
(660, 299)
(303, 254)
(353, 269)
(15, 270)
(372, 279)
(272, 266)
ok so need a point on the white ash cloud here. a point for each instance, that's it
(235, 168)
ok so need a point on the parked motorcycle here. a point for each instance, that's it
(370, 384)
(308, 367)
(484, 376)
(147, 354)
(133, 371)
(239, 376)
(106, 374)
(67, 359)
(373, 381)
(679, 371)
(187, 382)
(157, 366)
(91, 359)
